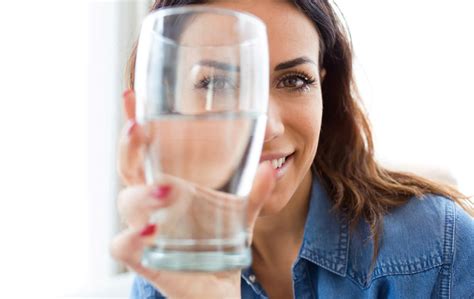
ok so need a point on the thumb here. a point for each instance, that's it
(262, 189)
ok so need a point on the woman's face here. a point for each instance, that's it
(294, 115)
(295, 104)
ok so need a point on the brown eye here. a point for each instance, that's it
(296, 82)
(220, 83)
(216, 83)
(291, 82)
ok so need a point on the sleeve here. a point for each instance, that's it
(463, 260)
(142, 289)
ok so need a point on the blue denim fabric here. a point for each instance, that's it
(426, 251)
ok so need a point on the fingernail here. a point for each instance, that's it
(127, 92)
(131, 124)
(148, 230)
(161, 191)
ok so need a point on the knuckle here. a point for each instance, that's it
(125, 203)
(120, 248)
(115, 249)
(122, 150)
(122, 201)
(132, 206)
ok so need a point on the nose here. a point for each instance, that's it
(274, 126)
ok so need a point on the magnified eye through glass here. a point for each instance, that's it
(218, 91)
(215, 86)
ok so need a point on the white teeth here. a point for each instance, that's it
(277, 163)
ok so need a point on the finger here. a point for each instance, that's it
(261, 191)
(128, 247)
(131, 154)
(131, 145)
(136, 204)
(129, 104)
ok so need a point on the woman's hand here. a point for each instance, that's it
(138, 202)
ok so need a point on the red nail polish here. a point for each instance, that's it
(127, 93)
(148, 230)
(161, 191)
(131, 124)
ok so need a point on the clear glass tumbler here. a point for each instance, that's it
(201, 82)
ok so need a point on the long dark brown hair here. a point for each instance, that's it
(359, 187)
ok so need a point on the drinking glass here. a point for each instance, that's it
(201, 83)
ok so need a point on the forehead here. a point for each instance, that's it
(291, 33)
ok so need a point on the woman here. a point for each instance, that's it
(335, 224)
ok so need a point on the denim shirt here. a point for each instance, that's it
(426, 251)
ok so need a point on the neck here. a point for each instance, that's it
(285, 227)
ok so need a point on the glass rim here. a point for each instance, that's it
(177, 10)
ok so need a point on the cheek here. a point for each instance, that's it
(302, 128)
(312, 129)
(307, 126)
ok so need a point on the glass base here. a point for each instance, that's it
(206, 261)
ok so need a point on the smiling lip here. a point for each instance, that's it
(273, 156)
(284, 167)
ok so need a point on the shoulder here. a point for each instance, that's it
(422, 222)
(424, 236)
(430, 222)
(440, 232)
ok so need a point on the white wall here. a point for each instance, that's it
(43, 158)
(61, 71)
(415, 61)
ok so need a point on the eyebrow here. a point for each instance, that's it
(294, 62)
(219, 65)
(234, 68)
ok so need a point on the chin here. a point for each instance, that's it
(274, 205)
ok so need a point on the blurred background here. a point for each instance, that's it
(62, 70)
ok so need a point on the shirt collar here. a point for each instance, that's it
(326, 233)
